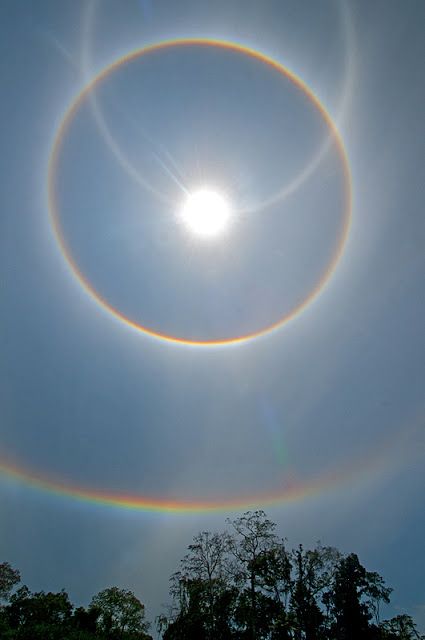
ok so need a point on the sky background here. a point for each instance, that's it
(336, 392)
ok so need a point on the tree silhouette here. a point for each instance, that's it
(39, 616)
(119, 613)
(401, 628)
(242, 584)
(255, 541)
(245, 585)
(9, 578)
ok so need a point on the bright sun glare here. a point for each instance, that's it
(206, 213)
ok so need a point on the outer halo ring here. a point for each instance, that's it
(54, 209)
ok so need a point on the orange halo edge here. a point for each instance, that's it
(53, 208)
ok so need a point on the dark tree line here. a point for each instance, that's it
(242, 584)
(113, 614)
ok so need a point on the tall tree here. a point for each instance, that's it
(202, 589)
(9, 578)
(254, 541)
(119, 614)
(207, 563)
(314, 571)
(401, 627)
(354, 600)
(188, 620)
(308, 618)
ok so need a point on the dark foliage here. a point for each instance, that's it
(242, 584)
(114, 614)
(246, 585)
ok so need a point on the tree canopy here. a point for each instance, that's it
(245, 584)
(114, 614)
(240, 584)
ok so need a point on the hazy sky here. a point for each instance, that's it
(326, 411)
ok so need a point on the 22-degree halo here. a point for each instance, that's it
(54, 209)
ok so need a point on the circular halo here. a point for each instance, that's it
(54, 209)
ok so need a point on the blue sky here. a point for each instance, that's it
(90, 401)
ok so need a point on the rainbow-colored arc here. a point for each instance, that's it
(292, 492)
(54, 208)
(391, 452)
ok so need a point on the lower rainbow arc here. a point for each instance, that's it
(387, 455)
(292, 492)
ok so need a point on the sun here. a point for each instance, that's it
(206, 213)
